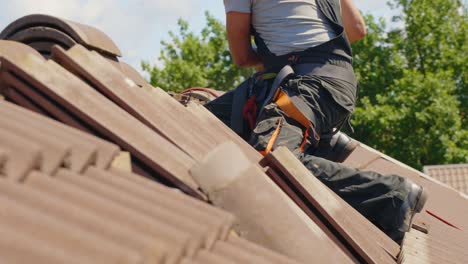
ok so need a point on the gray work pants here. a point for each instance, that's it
(377, 197)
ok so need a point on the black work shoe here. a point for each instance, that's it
(414, 203)
(337, 148)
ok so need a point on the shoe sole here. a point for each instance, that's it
(417, 209)
(421, 200)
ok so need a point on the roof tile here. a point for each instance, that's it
(26, 220)
(455, 175)
(23, 248)
(106, 117)
(24, 155)
(258, 250)
(210, 257)
(70, 213)
(82, 142)
(200, 234)
(83, 34)
(54, 153)
(139, 223)
(99, 73)
(214, 226)
(3, 158)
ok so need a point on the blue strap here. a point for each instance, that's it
(282, 75)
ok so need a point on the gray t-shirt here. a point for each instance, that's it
(286, 25)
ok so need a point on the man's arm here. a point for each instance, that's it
(354, 24)
(238, 32)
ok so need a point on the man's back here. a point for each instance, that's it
(286, 25)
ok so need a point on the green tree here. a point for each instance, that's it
(191, 60)
(435, 39)
(413, 84)
(419, 124)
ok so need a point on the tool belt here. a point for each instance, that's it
(249, 99)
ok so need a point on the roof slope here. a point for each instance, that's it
(101, 214)
(455, 175)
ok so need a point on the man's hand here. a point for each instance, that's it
(354, 24)
(238, 32)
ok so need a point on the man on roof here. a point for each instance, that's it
(305, 92)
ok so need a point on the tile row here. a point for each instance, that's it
(43, 32)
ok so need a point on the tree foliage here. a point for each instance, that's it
(191, 60)
(413, 79)
(413, 84)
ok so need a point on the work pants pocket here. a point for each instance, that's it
(275, 129)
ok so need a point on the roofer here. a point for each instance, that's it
(304, 93)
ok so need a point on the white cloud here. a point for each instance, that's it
(137, 26)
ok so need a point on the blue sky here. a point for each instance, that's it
(138, 26)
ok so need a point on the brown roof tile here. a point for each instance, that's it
(82, 34)
(3, 158)
(295, 197)
(173, 110)
(22, 248)
(236, 254)
(149, 186)
(214, 227)
(455, 175)
(19, 98)
(54, 153)
(258, 250)
(79, 213)
(223, 132)
(66, 150)
(42, 102)
(189, 261)
(105, 117)
(200, 234)
(83, 219)
(361, 157)
(26, 220)
(421, 248)
(24, 155)
(48, 37)
(210, 257)
(131, 73)
(98, 72)
(83, 144)
(139, 223)
(43, 47)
